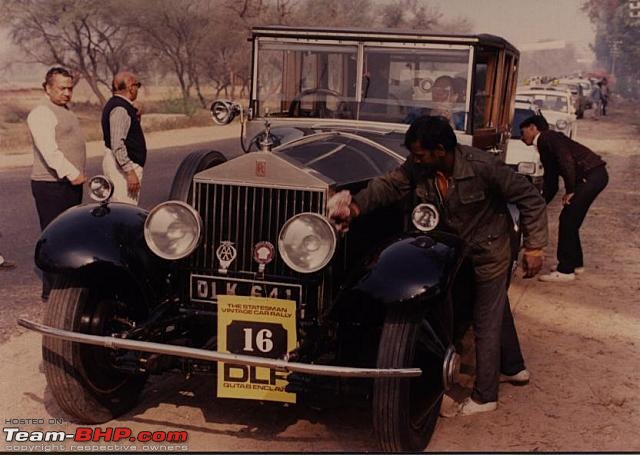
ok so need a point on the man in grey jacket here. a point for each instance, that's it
(471, 189)
(59, 154)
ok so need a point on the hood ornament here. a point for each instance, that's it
(226, 254)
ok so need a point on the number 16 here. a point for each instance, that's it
(263, 340)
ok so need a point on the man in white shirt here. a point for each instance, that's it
(59, 154)
(126, 149)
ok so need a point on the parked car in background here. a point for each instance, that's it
(522, 158)
(580, 94)
(241, 276)
(555, 105)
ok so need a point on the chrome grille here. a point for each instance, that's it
(246, 215)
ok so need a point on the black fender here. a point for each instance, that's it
(413, 267)
(96, 241)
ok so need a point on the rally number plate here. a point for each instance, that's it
(255, 326)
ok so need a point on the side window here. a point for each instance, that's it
(483, 98)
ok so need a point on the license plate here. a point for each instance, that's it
(255, 326)
(206, 288)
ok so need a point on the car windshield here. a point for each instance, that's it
(396, 85)
(556, 103)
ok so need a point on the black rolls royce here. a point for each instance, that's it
(240, 275)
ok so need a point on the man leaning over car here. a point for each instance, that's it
(471, 189)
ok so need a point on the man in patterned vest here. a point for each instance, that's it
(59, 154)
(126, 149)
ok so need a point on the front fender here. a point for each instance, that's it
(415, 266)
(105, 237)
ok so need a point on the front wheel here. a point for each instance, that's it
(405, 410)
(83, 378)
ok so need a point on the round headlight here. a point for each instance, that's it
(307, 242)
(561, 124)
(100, 188)
(425, 217)
(172, 230)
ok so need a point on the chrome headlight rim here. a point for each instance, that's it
(105, 183)
(194, 244)
(562, 124)
(333, 243)
(421, 209)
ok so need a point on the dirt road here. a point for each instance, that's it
(581, 341)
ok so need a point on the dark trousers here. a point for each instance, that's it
(53, 198)
(497, 345)
(572, 216)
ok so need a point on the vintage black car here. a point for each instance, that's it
(240, 275)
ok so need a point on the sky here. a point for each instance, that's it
(524, 21)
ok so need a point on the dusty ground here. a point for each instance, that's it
(581, 341)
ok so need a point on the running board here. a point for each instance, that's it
(214, 356)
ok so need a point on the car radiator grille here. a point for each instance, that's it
(246, 215)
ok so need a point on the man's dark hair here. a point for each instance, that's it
(538, 120)
(431, 131)
(52, 72)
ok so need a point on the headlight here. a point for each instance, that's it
(100, 188)
(307, 242)
(525, 167)
(172, 230)
(561, 124)
(425, 217)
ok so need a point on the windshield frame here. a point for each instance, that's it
(361, 45)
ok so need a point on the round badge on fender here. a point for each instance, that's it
(425, 217)
(263, 253)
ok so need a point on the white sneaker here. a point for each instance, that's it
(557, 277)
(469, 407)
(577, 270)
(522, 377)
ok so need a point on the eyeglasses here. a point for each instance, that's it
(136, 84)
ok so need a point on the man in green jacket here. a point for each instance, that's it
(471, 189)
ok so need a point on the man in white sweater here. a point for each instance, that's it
(59, 154)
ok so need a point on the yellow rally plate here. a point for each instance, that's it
(260, 327)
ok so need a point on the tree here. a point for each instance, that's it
(85, 38)
(617, 42)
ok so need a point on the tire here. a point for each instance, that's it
(405, 410)
(195, 162)
(81, 377)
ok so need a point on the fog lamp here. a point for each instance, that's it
(100, 188)
(425, 217)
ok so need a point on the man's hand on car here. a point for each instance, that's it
(340, 212)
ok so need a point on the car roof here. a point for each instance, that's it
(393, 35)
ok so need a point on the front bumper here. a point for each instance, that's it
(214, 356)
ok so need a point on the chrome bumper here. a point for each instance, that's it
(214, 356)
